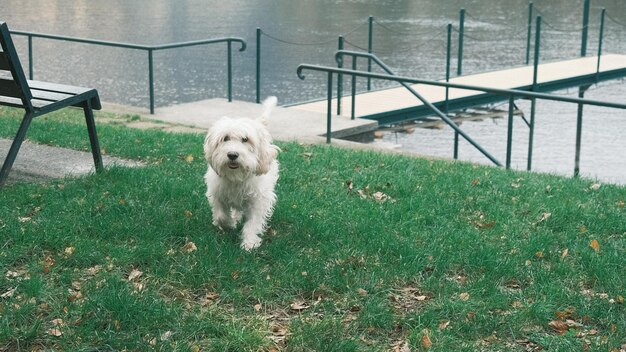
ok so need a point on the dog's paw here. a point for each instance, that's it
(251, 243)
(225, 225)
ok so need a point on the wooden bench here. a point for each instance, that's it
(39, 98)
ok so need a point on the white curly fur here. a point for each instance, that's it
(242, 174)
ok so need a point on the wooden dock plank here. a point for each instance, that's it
(394, 99)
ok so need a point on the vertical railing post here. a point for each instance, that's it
(151, 80)
(353, 107)
(229, 59)
(329, 109)
(600, 42)
(369, 50)
(30, 57)
(448, 59)
(258, 65)
(339, 77)
(459, 69)
(581, 91)
(530, 25)
(533, 101)
(509, 139)
(583, 45)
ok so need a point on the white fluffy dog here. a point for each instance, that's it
(242, 174)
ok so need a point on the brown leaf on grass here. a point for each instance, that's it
(595, 245)
(444, 325)
(558, 326)
(299, 306)
(564, 253)
(94, 270)
(189, 158)
(134, 274)
(426, 342)
(8, 293)
(464, 296)
(620, 299)
(188, 214)
(69, 251)
(544, 217)
(54, 332)
(361, 292)
(189, 247)
(595, 186)
(620, 204)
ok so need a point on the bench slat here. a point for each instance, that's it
(49, 96)
(4, 62)
(57, 88)
(8, 87)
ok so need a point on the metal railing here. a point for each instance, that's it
(511, 94)
(149, 48)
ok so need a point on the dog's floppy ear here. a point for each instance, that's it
(210, 143)
(267, 154)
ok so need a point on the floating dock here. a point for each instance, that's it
(395, 105)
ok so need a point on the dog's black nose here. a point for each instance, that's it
(232, 155)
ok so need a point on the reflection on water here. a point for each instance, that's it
(409, 36)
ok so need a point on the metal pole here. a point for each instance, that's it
(583, 46)
(329, 110)
(258, 65)
(579, 127)
(30, 57)
(151, 81)
(600, 41)
(533, 101)
(369, 50)
(449, 44)
(353, 108)
(530, 25)
(461, 32)
(509, 140)
(229, 58)
(339, 77)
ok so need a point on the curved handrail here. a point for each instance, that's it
(149, 48)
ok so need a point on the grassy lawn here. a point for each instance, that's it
(366, 252)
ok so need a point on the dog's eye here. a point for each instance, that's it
(244, 139)
(226, 139)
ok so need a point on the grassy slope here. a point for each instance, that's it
(474, 258)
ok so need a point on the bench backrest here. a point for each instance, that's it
(14, 90)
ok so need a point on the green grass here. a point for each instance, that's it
(463, 256)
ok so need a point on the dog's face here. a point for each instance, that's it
(239, 148)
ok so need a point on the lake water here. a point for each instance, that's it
(409, 35)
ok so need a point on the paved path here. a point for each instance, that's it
(37, 162)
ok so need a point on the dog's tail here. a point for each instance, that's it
(268, 105)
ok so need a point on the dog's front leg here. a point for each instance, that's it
(254, 225)
(221, 216)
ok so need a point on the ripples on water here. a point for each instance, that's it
(408, 35)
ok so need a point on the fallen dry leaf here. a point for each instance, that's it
(55, 332)
(595, 245)
(8, 293)
(426, 342)
(558, 326)
(544, 217)
(189, 247)
(564, 253)
(135, 274)
(361, 292)
(94, 270)
(69, 251)
(166, 335)
(620, 299)
(188, 214)
(298, 306)
(595, 186)
(464, 296)
(444, 324)
(189, 158)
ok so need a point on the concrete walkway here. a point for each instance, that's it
(38, 162)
